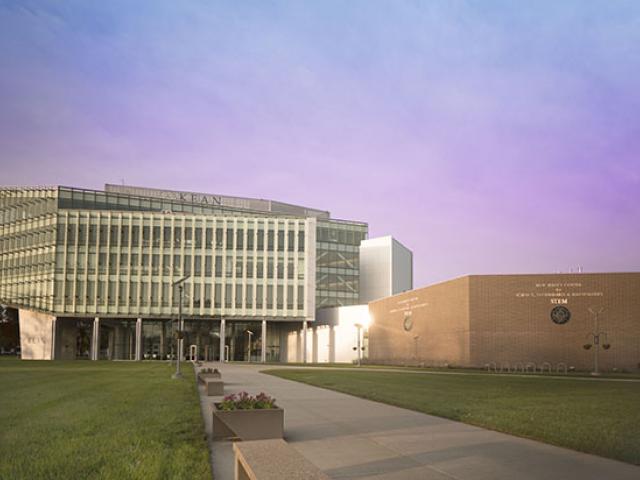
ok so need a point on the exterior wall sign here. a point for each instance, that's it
(558, 293)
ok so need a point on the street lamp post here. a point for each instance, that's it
(595, 338)
(180, 285)
(358, 344)
(250, 333)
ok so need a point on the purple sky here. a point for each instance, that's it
(488, 137)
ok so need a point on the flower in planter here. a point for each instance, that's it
(244, 401)
(228, 402)
(264, 401)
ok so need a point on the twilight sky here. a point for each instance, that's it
(487, 136)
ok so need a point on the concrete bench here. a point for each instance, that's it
(272, 460)
(214, 387)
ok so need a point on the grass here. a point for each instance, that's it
(599, 417)
(107, 420)
(453, 369)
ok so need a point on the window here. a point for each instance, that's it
(269, 296)
(281, 238)
(259, 294)
(165, 294)
(166, 233)
(146, 236)
(249, 267)
(239, 268)
(156, 236)
(208, 241)
(135, 236)
(260, 267)
(260, 239)
(300, 297)
(301, 241)
(290, 268)
(218, 265)
(229, 239)
(250, 243)
(217, 296)
(239, 239)
(279, 297)
(290, 297)
(238, 296)
(207, 295)
(270, 267)
(249, 296)
(291, 235)
(82, 233)
(229, 267)
(280, 268)
(228, 295)
(104, 235)
(196, 295)
(124, 235)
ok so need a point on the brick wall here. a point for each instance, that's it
(506, 320)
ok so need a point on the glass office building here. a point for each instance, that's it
(96, 274)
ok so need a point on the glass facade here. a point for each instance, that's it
(338, 262)
(27, 246)
(87, 253)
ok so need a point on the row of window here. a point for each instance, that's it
(197, 265)
(345, 235)
(15, 209)
(195, 296)
(36, 237)
(177, 237)
(94, 200)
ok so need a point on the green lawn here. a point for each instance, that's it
(600, 417)
(107, 420)
(478, 371)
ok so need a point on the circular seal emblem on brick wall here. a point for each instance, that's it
(408, 322)
(560, 315)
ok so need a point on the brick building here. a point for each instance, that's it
(512, 322)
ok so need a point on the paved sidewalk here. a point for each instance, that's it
(348, 437)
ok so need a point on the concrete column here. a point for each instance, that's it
(304, 341)
(263, 353)
(222, 342)
(95, 340)
(162, 340)
(332, 344)
(314, 344)
(53, 339)
(138, 339)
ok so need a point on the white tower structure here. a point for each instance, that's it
(386, 268)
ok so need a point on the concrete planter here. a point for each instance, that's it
(202, 377)
(248, 424)
(214, 387)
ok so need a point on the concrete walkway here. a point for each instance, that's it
(348, 437)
